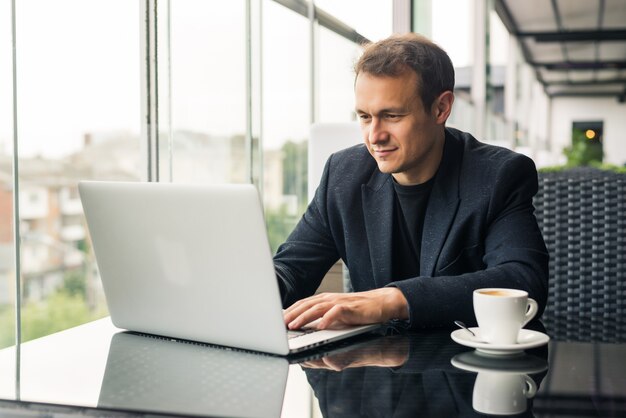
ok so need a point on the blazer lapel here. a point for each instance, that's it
(378, 199)
(442, 205)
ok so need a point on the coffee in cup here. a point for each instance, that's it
(501, 313)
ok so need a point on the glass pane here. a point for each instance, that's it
(371, 18)
(286, 117)
(7, 254)
(79, 116)
(454, 31)
(208, 91)
(498, 40)
(336, 59)
(164, 92)
(498, 129)
(256, 68)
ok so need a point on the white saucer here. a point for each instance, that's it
(477, 362)
(527, 339)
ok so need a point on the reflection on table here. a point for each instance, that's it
(424, 375)
(97, 368)
(171, 376)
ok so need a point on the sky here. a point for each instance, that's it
(75, 75)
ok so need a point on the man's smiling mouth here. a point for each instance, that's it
(383, 152)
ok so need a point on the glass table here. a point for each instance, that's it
(98, 370)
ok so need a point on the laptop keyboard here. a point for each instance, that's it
(299, 333)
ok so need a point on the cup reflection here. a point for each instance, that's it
(503, 385)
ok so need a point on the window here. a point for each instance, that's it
(336, 59)
(78, 110)
(7, 255)
(208, 91)
(88, 74)
(286, 117)
(371, 18)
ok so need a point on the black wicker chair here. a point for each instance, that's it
(582, 214)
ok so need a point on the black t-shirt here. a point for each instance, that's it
(408, 223)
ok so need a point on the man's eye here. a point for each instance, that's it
(392, 116)
(364, 117)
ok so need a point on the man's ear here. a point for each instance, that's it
(442, 107)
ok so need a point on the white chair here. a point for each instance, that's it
(324, 139)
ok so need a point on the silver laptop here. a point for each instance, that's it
(192, 262)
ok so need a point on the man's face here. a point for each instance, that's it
(405, 139)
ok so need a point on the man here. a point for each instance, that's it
(421, 214)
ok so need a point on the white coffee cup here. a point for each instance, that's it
(502, 313)
(502, 393)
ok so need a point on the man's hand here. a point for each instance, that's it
(390, 351)
(336, 309)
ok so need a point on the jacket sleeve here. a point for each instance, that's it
(309, 251)
(514, 255)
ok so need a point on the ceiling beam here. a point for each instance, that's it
(587, 94)
(576, 36)
(603, 82)
(502, 10)
(325, 19)
(580, 65)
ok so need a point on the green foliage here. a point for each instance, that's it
(295, 168)
(594, 164)
(279, 226)
(74, 283)
(553, 168)
(609, 167)
(58, 312)
(83, 246)
(7, 325)
(582, 151)
(63, 309)
(280, 222)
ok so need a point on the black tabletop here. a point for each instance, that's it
(97, 370)
(426, 374)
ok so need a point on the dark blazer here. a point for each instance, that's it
(479, 231)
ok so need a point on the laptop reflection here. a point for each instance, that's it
(155, 374)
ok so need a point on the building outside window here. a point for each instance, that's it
(78, 118)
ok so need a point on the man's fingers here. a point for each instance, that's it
(334, 364)
(320, 302)
(314, 364)
(296, 310)
(331, 313)
(337, 315)
(302, 305)
(308, 314)
(333, 309)
(368, 307)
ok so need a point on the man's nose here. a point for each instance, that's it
(377, 132)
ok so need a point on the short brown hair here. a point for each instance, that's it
(393, 56)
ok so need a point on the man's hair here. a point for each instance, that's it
(397, 54)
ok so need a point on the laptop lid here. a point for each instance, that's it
(186, 261)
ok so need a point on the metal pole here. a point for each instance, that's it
(248, 143)
(16, 212)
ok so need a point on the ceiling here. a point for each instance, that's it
(577, 47)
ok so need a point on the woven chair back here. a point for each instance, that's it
(582, 214)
